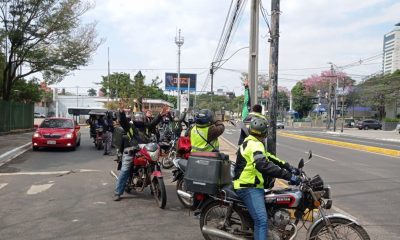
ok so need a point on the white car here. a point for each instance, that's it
(280, 124)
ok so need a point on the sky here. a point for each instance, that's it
(140, 36)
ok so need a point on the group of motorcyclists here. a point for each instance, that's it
(255, 168)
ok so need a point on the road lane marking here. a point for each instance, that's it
(227, 141)
(35, 189)
(48, 173)
(353, 146)
(3, 185)
(329, 159)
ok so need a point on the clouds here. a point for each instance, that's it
(141, 34)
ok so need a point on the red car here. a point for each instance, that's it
(57, 132)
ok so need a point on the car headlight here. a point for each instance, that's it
(36, 135)
(68, 135)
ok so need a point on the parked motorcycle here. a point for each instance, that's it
(224, 215)
(146, 172)
(184, 196)
(169, 153)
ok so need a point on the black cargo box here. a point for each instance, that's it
(207, 172)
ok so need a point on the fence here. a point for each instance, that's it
(14, 115)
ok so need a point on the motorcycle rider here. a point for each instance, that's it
(246, 116)
(204, 134)
(175, 123)
(256, 169)
(108, 126)
(138, 133)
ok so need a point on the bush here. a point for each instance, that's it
(395, 120)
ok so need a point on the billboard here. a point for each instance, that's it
(171, 81)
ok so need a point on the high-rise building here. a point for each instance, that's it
(391, 50)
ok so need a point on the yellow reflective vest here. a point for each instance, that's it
(198, 137)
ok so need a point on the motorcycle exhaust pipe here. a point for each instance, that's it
(212, 231)
(185, 195)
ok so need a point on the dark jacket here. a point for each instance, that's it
(140, 134)
(176, 126)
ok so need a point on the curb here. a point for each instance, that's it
(10, 155)
(353, 146)
(17, 131)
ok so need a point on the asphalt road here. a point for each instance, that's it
(68, 195)
(364, 185)
(312, 132)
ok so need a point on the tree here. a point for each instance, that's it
(301, 102)
(119, 85)
(45, 36)
(27, 91)
(92, 92)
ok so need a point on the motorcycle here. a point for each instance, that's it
(224, 215)
(146, 172)
(98, 142)
(184, 196)
(169, 153)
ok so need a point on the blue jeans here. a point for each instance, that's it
(254, 200)
(123, 174)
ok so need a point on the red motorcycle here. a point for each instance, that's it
(146, 172)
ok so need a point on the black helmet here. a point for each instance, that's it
(204, 117)
(139, 117)
(258, 127)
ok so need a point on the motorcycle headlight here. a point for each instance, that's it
(68, 135)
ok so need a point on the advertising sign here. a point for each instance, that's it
(171, 81)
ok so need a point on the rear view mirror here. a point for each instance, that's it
(309, 154)
(301, 164)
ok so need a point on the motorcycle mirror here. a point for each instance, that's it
(309, 154)
(301, 164)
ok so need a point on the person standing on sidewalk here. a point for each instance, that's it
(246, 115)
(204, 135)
(109, 130)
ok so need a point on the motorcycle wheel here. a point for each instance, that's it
(159, 192)
(344, 229)
(167, 161)
(214, 214)
(181, 185)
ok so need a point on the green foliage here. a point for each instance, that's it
(379, 90)
(395, 120)
(46, 36)
(283, 101)
(301, 102)
(92, 92)
(27, 91)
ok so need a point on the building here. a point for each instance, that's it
(391, 50)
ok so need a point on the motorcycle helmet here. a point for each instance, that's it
(139, 119)
(204, 117)
(258, 127)
(153, 150)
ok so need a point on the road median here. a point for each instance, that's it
(353, 146)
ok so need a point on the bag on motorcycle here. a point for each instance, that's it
(207, 172)
(184, 145)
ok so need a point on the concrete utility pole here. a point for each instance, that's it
(336, 104)
(179, 42)
(253, 55)
(329, 98)
(108, 74)
(273, 76)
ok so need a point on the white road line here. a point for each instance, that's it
(49, 173)
(35, 189)
(329, 159)
(3, 185)
(14, 150)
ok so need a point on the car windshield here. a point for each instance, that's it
(57, 123)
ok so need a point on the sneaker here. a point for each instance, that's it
(117, 197)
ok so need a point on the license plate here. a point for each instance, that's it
(51, 142)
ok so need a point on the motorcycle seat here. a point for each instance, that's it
(230, 193)
(182, 164)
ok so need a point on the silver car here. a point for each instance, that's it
(280, 124)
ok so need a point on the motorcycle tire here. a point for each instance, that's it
(320, 232)
(167, 161)
(159, 191)
(210, 213)
(180, 185)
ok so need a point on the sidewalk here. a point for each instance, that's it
(12, 145)
(392, 136)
